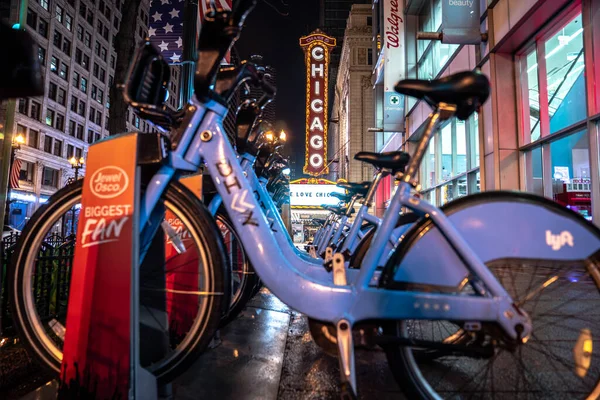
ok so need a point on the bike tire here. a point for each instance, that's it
(202, 227)
(249, 279)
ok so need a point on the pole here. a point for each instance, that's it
(190, 53)
(13, 153)
(8, 134)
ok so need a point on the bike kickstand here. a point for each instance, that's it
(346, 357)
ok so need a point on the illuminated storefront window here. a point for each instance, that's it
(432, 56)
(554, 139)
(450, 168)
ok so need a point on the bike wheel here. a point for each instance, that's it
(557, 361)
(243, 277)
(189, 321)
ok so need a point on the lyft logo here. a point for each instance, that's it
(560, 240)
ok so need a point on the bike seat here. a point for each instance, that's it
(334, 209)
(319, 221)
(394, 160)
(342, 197)
(467, 90)
(360, 189)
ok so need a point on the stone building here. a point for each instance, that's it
(351, 115)
(75, 48)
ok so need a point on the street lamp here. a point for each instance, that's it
(77, 164)
(17, 141)
(283, 136)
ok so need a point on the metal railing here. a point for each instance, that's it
(50, 278)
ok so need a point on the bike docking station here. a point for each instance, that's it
(102, 343)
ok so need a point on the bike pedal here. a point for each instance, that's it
(472, 326)
(339, 270)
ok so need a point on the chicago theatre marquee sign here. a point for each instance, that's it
(317, 47)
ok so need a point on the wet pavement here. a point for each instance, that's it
(267, 353)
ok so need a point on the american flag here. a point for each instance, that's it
(166, 25)
(14, 174)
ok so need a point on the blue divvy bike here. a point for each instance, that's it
(493, 296)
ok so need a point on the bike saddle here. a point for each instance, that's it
(360, 189)
(467, 90)
(334, 209)
(393, 160)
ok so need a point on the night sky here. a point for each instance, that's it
(276, 38)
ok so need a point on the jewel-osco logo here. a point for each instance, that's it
(109, 182)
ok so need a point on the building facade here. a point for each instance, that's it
(351, 115)
(75, 47)
(538, 131)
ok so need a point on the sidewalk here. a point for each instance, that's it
(267, 353)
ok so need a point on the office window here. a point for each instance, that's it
(99, 27)
(21, 130)
(79, 132)
(90, 18)
(43, 28)
(64, 71)
(101, 6)
(98, 118)
(74, 102)
(80, 32)
(31, 18)
(26, 173)
(44, 4)
(107, 13)
(42, 55)
(60, 122)
(75, 80)
(52, 91)
(33, 138)
(59, 14)
(94, 92)
(97, 48)
(82, 9)
(71, 3)
(81, 110)
(87, 39)
(85, 63)
(54, 65)
(50, 177)
(58, 148)
(78, 55)
(70, 151)
(69, 22)
(116, 22)
(105, 34)
(72, 127)
(61, 97)
(96, 137)
(100, 96)
(112, 61)
(50, 115)
(90, 136)
(48, 144)
(103, 54)
(96, 70)
(78, 152)
(36, 109)
(102, 75)
(57, 40)
(92, 114)
(66, 47)
(22, 106)
(84, 85)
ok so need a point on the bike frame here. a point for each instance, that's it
(319, 298)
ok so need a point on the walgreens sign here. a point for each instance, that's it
(317, 47)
